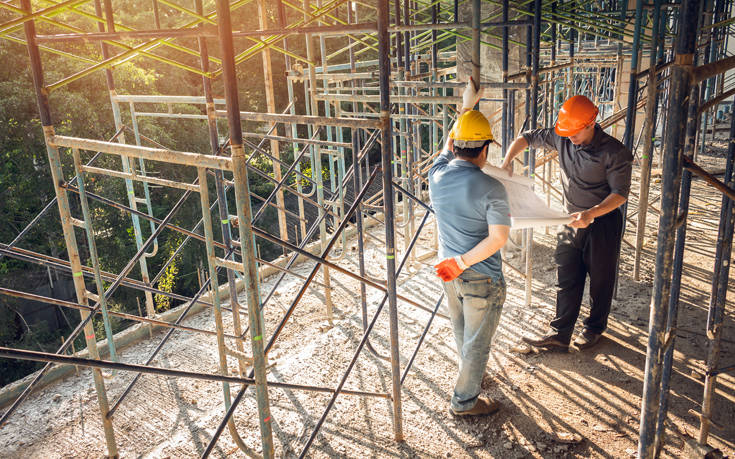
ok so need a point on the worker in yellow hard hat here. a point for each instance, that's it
(595, 176)
(473, 220)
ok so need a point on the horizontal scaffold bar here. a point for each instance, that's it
(131, 34)
(153, 154)
(141, 178)
(458, 84)
(393, 99)
(163, 99)
(396, 99)
(180, 116)
(306, 119)
(328, 143)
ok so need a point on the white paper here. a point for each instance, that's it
(527, 209)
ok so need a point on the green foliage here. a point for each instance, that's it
(167, 283)
(82, 108)
(306, 170)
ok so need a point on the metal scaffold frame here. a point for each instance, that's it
(394, 84)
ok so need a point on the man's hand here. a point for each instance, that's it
(450, 144)
(470, 96)
(581, 219)
(508, 167)
(450, 268)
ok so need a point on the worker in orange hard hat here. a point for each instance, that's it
(473, 219)
(595, 176)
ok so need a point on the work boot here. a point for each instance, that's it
(587, 339)
(483, 407)
(548, 341)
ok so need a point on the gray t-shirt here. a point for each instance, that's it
(589, 173)
(466, 201)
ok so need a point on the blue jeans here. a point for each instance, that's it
(475, 303)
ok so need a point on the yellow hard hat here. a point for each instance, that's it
(471, 130)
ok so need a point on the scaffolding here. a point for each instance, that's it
(393, 87)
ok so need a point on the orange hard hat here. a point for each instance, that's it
(576, 113)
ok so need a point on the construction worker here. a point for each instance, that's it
(473, 221)
(595, 176)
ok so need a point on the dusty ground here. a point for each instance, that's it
(594, 394)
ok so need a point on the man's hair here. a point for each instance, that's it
(470, 152)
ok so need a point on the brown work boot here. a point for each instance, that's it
(587, 339)
(548, 341)
(483, 407)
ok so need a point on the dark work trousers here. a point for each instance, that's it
(581, 251)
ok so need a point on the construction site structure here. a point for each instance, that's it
(658, 72)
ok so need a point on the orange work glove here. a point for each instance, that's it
(449, 268)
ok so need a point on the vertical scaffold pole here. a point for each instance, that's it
(271, 105)
(507, 136)
(533, 122)
(672, 160)
(476, 18)
(57, 176)
(649, 133)
(390, 244)
(220, 187)
(668, 358)
(718, 295)
(633, 83)
(244, 214)
(629, 134)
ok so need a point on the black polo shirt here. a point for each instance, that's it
(589, 173)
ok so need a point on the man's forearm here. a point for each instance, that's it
(610, 203)
(488, 246)
(515, 148)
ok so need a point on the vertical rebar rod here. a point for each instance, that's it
(390, 250)
(244, 213)
(673, 147)
(57, 175)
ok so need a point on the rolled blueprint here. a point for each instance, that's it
(527, 209)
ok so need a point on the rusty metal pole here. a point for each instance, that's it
(244, 214)
(57, 175)
(672, 170)
(718, 295)
(390, 244)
